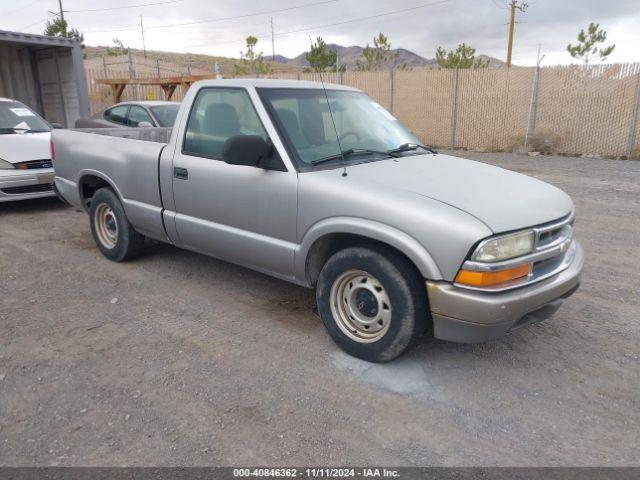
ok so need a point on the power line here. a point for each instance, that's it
(35, 23)
(220, 19)
(361, 19)
(124, 7)
(24, 7)
(327, 25)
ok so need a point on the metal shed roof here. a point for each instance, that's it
(36, 40)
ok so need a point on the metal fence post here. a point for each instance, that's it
(391, 86)
(104, 66)
(131, 68)
(533, 109)
(158, 66)
(454, 108)
(631, 139)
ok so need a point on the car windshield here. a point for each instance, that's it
(165, 114)
(17, 117)
(365, 129)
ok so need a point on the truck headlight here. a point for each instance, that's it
(4, 165)
(504, 247)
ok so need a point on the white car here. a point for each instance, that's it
(26, 169)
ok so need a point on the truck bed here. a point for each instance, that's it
(126, 158)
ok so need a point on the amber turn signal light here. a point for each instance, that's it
(488, 279)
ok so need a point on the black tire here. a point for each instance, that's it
(128, 243)
(403, 286)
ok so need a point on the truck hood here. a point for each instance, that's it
(22, 147)
(502, 199)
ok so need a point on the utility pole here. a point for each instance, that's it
(273, 43)
(513, 5)
(144, 48)
(59, 13)
(61, 10)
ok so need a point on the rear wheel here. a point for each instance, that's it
(115, 237)
(373, 302)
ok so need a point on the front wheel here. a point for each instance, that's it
(115, 237)
(373, 302)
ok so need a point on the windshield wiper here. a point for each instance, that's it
(409, 147)
(30, 130)
(351, 151)
(6, 130)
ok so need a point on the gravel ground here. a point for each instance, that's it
(178, 359)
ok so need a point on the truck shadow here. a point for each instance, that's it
(35, 205)
(292, 305)
(275, 299)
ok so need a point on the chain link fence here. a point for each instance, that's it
(571, 110)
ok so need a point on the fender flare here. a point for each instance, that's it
(94, 173)
(381, 232)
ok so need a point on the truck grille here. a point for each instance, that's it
(43, 187)
(31, 164)
(554, 233)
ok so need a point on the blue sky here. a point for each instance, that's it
(418, 25)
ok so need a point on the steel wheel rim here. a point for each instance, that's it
(360, 306)
(106, 226)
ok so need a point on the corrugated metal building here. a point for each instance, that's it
(46, 73)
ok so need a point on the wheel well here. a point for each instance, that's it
(324, 247)
(89, 185)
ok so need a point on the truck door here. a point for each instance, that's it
(242, 214)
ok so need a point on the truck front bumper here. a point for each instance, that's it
(462, 315)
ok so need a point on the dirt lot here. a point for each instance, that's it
(178, 359)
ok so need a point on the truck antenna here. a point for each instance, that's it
(333, 122)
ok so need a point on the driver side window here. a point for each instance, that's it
(216, 115)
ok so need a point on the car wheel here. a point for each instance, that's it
(115, 237)
(373, 302)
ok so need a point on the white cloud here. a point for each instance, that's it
(480, 23)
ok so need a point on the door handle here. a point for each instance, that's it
(181, 173)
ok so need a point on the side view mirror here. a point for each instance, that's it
(144, 125)
(246, 150)
(56, 125)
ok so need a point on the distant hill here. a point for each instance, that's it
(172, 63)
(180, 63)
(350, 55)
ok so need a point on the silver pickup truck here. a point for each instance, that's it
(321, 186)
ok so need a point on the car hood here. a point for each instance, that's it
(22, 147)
(502, 199)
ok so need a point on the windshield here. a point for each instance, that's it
(362, 124)
(17, 117)
(166, 114)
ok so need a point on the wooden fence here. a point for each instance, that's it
(567, 109)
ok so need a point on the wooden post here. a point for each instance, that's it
(116, 91)
(168, 91)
